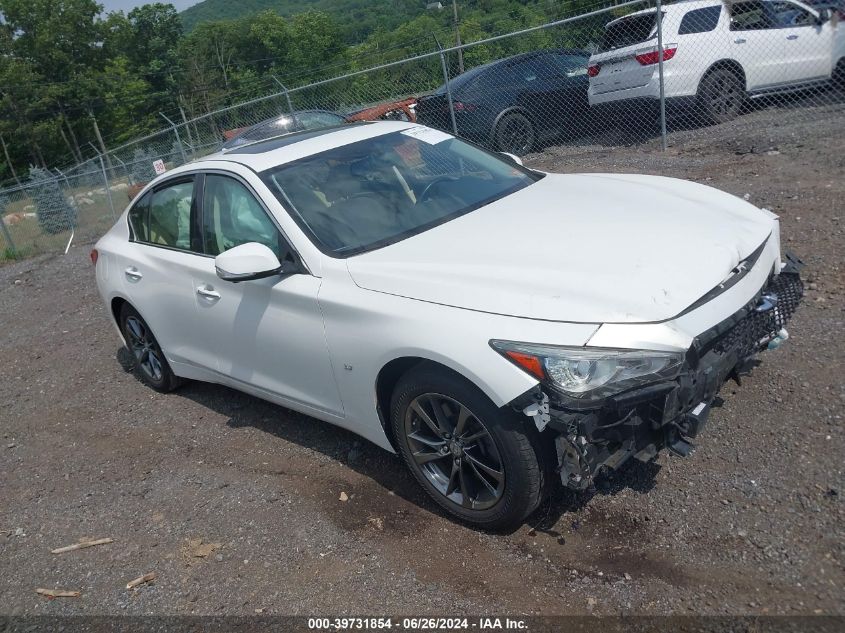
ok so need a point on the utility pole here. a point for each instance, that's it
(458, 37)
(9, 161)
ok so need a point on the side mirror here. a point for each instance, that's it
(512, 157)
(246, 262)
(825, 15)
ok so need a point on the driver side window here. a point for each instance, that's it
(232, 216)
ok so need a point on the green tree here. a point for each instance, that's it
(53, 211)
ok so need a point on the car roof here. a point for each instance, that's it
(274, 126)
(459, 80)
(682, 5)
(272, 152)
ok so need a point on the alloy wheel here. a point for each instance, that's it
(725, 97)
(516, 135)
(454, 451)
(144, 347)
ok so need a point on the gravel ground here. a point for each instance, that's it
(235, 503)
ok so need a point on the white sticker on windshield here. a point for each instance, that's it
(427, 135)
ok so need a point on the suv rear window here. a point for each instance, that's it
(700, 21)
(629, 31)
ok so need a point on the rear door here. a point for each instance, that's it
(618, 67)
(158, 266)
(561, 91)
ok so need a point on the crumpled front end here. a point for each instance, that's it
(669, 414)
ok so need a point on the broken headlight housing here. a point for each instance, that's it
(590, 374)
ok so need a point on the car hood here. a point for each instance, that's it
(586, 248)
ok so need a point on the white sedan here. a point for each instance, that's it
(497, 326)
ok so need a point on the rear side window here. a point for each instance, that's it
(566, 64)
(700, 21)
(629, 31)
(139, 219)
(170, 216)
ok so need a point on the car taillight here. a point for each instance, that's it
(593, 71)
(460, 106)
(94, 256)
(653, 57)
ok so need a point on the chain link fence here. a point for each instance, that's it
(613, 76)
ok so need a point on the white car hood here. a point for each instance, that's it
(588, 248)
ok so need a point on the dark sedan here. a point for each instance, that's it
(283, 124)
(516, 103)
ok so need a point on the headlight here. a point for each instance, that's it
(590, 373)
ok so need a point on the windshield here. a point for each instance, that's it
(374, 192)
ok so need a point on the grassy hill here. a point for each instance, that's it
(358, 18)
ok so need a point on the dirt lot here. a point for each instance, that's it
(234, 502)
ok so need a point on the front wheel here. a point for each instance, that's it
(839, 76)
(515, 134)
(721, 95)
(480, 463)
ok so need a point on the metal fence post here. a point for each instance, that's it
(178, 140)
(125, 169)
(659, 16)
(448, 90)
(287, 96)
(73, 224)
(10, 244)
(106, 181)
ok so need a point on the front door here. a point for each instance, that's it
(809, 44)
(268, 333)
(758, 44)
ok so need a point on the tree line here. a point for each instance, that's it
(73, 79)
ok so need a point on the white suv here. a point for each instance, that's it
(717, 54)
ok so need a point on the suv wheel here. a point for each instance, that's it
(721, 95)
(515, 134)
(839, 76)
(480, 463)
(150, 362)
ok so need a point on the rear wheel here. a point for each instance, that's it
(720, 95)
(515, 134)
(150, 362)
(480, 463)
(839, 76)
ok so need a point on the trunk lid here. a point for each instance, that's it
(623, 40)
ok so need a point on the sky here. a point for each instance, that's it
(128, 5)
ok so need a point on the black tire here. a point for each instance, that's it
(515, 134)
(510, 447)
(838, 78)
(150, 363)
(721, 95)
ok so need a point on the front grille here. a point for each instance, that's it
(777, 304)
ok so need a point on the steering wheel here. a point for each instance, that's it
(437, 180)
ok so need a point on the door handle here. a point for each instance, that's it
(133, 273)
(208, 292)
(792, 37)
(739, 40)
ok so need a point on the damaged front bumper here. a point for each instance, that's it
(641, 422)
